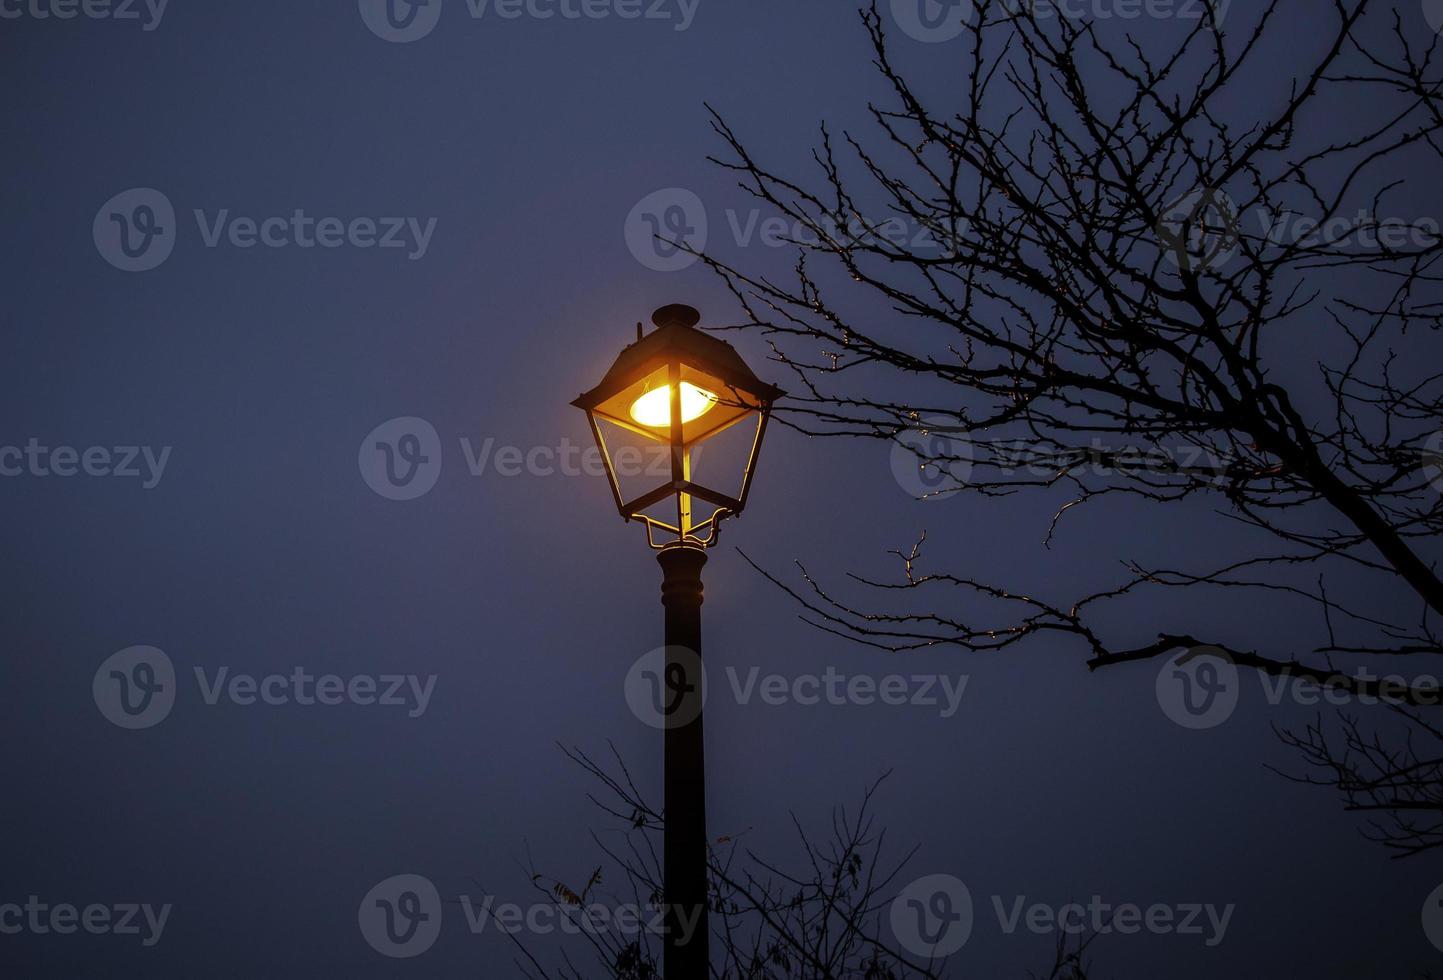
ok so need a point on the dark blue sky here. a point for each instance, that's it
(260, 548)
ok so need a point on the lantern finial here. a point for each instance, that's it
(676, 314)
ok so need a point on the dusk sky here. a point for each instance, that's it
(335, 234)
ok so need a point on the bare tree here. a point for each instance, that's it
(816, 917)
(819, 920)
(1128, 290)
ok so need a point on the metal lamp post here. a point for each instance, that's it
(679, 387)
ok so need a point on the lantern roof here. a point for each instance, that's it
(676, 339)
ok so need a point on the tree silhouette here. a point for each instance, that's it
(816, 916)
(1144, 291)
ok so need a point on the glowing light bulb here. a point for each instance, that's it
(653, 409)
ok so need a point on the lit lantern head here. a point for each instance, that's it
(676, 388)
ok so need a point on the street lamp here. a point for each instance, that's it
(680, 387)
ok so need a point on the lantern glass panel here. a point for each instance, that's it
(726, 406)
